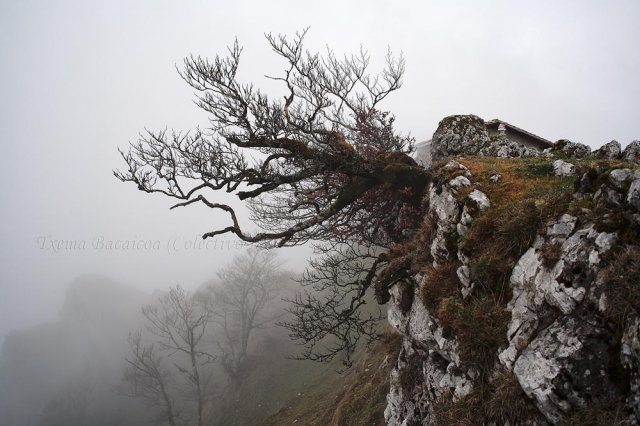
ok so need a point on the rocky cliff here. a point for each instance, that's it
(525, 298)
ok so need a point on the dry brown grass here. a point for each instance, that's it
(550, 253)
(622, 283)
(499, 401)
(522, 178)
(480, 325)
(599, 415)
(521, 203)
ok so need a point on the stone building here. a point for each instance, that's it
(515, 134)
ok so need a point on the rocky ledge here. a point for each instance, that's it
(524, 303)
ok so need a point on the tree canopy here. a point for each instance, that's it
(321, 163)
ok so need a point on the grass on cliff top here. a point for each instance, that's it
(522, 201)
(526, 197)
(355, 397)
(521, 179)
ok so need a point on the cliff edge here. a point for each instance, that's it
(524, 302)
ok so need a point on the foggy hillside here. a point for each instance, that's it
(73, 371)
(64, 372)
(339, 213)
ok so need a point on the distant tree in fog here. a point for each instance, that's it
(148, 378)
(188, 332)
(240, 303)
(179, 322)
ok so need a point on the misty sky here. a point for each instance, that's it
(80, 79)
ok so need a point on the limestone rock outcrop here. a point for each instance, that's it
(468, 135)
(632, 152)
(610, 150)
(566, 343)
(459, 135)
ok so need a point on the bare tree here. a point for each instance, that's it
(179, 322)
(329, 317)
(240, 303)
(321, 163)
(148, 378)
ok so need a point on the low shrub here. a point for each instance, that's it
(491, 273)
(439, 282)
(508, 231)
(500, 401)
(480, 324)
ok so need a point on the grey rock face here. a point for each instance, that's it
(564, 367)
(432, 361)
(572, 149)
(502, 147)
(632, 152)
(468, 135)
(618, 177)
(633, 195)
(427, 355)
(558, 343)
(630, 357)
(610, 150)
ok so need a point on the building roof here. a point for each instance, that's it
(497, 122)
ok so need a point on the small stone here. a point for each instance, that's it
(465, 217)
(563, 227)
(618, 177)
(585, 185)
(562, 168)
(602, 303)
(606, 240)
(464, 275)
(459, 182)
(609, 195)
(495, 178)
(480, 199)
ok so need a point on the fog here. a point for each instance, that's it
(80, 79)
